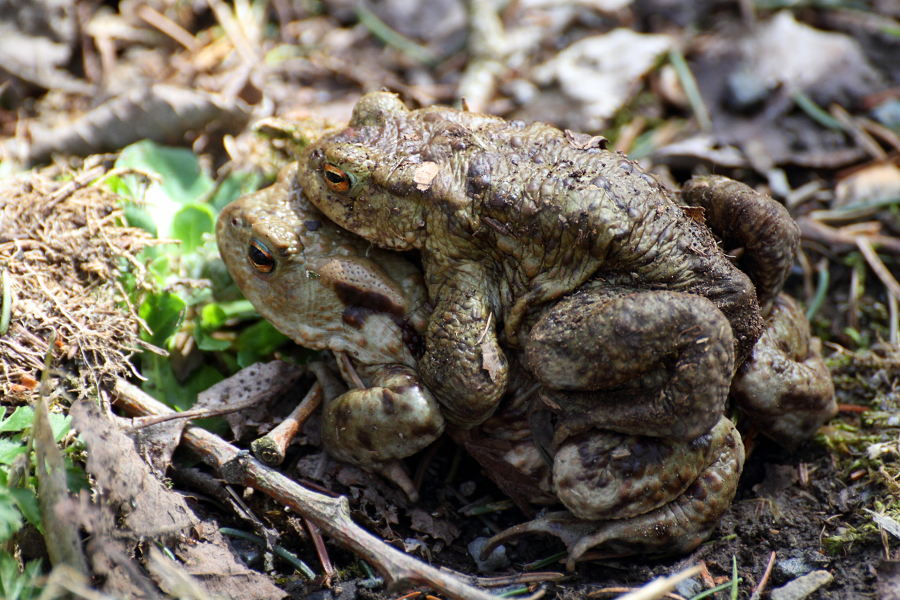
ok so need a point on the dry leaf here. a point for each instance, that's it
(424, 175)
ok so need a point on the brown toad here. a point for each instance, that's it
(327, 289)
(540, 239)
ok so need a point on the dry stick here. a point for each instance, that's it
(272, 447)
(757, 592)
(168, 27)
(518, 579)
(839, 240)
(331, 515)
(348, 371)
(865, 246)
(321, 550)
(194, 413)
(661, 585)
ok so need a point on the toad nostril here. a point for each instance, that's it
(235, 221)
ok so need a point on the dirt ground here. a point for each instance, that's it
(801, 100)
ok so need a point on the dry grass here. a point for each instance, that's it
(62, 245)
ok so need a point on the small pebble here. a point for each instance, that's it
(793, 567)
(495, 561)
(802, 587)
(346, 590)
(689, 587)
(798, 563)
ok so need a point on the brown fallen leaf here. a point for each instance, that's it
(161, 112)
(135, 506)
(251, 387)
(61, 534)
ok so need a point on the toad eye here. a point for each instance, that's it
(260, 257)
(336, 178)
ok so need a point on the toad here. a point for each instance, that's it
(541, 241)
(327, 289)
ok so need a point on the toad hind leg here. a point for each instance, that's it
(654, 363)
(674, 528)
(741, 216)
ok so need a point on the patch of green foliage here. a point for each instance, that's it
(187, 299)
(864, 443)
(18, 491)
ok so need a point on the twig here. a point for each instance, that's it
(841, 241)
(860, 135)
(321, 551)
(345, 366)
(331, 515)
(894, 337)
(519, 578)
(5, 302)
(878, 266)
(272, 447)
(757, 592)
(659, 587)
(618, 590)
(76, 183)
(169, 27)
(196, 413)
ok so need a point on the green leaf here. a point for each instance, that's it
(164, 386)
(179, 181)
(234, 186)
(22, 418)
(163, 313)
(10, 449)
(212, 316)
(239, 309)
(27, 503)
(179, 169)
(60, 424)
(190, 223)
(258, 340)
(10, 517)
(15, 585)
(208, 343)
(137, 216)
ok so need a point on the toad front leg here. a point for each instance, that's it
(463, 364)
(376, 426)
(653, 363)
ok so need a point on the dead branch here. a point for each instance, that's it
(272, 447)
(842, 241)
(331, 515)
